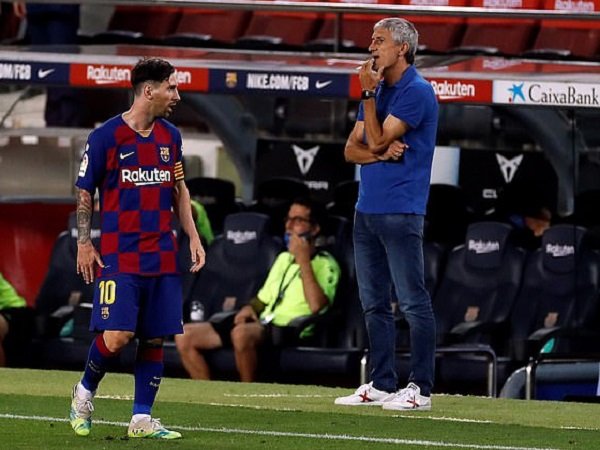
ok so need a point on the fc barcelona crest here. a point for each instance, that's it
(231, 79)
(165, 155)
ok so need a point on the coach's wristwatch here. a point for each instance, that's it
(366, 94)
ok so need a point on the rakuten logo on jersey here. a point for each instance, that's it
(100, 75)
(141, 177)
(455, 90)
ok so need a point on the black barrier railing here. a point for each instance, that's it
(476, 350)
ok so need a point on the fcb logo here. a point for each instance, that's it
(231, 79)
(104, 312)
(164, 154)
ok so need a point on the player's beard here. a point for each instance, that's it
(168, 111)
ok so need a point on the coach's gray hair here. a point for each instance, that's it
(402, 31)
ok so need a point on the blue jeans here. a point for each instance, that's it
(388, 251)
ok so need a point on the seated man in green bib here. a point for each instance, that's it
(11, 306)
(301, 282)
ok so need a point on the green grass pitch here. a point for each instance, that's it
(221, 415)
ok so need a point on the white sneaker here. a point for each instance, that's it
(80, 414)
(409, 398)
(150, 428)
(365, 395)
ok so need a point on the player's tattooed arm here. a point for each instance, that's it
(84, 215)
(87, 255)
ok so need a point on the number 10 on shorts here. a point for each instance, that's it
(108, 292)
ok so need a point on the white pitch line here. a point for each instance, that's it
(333, 437)
(250, 406)
(443, 419)
(580, 428)
(279, 395)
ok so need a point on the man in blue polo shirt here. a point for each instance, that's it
(393, 142)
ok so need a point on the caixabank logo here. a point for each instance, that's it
(519, 92)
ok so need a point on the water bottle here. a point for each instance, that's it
(196, 311)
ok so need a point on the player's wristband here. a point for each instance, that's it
(366, 94)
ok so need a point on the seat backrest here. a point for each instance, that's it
(481, 279)
(335, 235)
(220, 25)
(437, 33)
(345, 195)
(217, 196)
(355, 29)
(433, 261)
(502, 35)
(587, 214)
(560, 286)
(579, 38)
(448, 215)
(62, 285)
(152, 21)
(237, 264)
(290, 28)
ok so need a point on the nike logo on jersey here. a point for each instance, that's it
(122, 156)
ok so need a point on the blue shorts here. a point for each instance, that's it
(149, 306)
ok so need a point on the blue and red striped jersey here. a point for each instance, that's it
(135, 177)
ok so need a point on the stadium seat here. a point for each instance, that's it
(476, 294)
(139, 24)
(567, 39)
(499, 36)
(335, 235)
(345, 195)
(448, 215)
(208, 27)
(587, 215)
(62, 288)
(554, 338)
(279, 30)
(558, 300)
(437, 34)
(237, 263)
(434, 259)
(217, 196)
(355, 31)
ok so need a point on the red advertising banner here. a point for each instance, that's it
(119, 76)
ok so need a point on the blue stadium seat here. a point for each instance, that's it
(237, 263)
(559, 297)
(472, 303)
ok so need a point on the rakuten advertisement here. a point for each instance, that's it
(462, 90)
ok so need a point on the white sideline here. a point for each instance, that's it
(338, 437)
